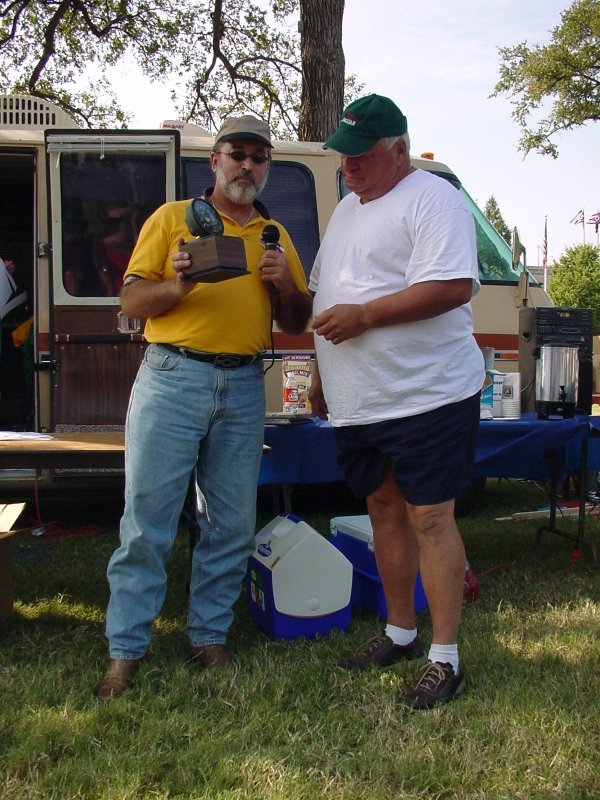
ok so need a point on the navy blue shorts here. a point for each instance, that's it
(431, 454)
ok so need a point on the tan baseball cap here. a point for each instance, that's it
(244, 127)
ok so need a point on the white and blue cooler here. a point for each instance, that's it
(353, 536)
(298, 583)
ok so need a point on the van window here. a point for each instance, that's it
(494, 255)
(289, 197)
(105, 199)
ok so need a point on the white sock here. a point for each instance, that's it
(401, 636)
(444, 654)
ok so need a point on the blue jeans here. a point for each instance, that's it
(183, 416)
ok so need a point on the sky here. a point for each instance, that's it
(439, 62)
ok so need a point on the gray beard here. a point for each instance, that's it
(242, 195)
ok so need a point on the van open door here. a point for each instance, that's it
(102, 187)
(18, 174)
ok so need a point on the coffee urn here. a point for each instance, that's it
(556, 372)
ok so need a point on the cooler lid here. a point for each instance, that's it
(358, 526)
(312, 578)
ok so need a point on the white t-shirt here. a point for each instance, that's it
(421, 230)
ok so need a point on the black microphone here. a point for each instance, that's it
(270, 237)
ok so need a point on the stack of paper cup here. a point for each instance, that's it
(488, 356)
(511, 395)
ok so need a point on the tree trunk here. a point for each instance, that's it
(323, 68)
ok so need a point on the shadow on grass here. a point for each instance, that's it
(61, 587)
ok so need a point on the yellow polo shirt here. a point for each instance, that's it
(232, 316)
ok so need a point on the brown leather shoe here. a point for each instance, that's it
(210, 655)
(118, 678)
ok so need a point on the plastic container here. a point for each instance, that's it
(353, 536)
(297, 583)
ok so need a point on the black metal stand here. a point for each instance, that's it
(578, 538)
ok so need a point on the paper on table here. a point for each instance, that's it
(6, 436)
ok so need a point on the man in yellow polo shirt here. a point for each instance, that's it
(198, 405)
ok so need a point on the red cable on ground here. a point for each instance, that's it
(575, 554)
(70, 533)
(51, 528)
(489, 570)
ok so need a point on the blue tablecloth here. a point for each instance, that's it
(520, 448)
(304, 452)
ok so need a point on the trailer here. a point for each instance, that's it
(73, 202)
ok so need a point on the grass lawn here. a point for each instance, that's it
(289, 725)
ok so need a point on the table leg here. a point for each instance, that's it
(579, 538)
(281, 494)
(6, 591)
(287, 497)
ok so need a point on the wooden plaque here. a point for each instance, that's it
(215, 258)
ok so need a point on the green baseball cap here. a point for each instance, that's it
(364, 122)
(244, 127)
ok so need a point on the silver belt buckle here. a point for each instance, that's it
(227, 361)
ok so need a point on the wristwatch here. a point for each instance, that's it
(132, 279)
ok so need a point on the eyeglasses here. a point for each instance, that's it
(240, 155)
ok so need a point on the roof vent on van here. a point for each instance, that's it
(25, 111)
(189, 128)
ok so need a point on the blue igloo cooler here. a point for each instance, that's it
(353, 536)
(298, 583)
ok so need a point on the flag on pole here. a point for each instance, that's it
(578, 218)
(545, 245)
(595, 220)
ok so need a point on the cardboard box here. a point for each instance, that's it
(491, 394)
(9, 513)
(297, 583)
(353, 536)
(486, 399)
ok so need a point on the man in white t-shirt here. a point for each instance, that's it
(399, 374)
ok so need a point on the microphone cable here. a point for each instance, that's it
(270, 237)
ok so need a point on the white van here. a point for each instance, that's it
(73, 201)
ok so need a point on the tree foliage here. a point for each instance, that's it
(235, 58)
(219, 57)
(492, 212)
(47, 45)
(559, 82)
(576, 280)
